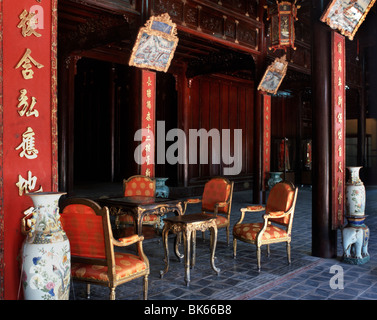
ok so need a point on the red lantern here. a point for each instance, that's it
(282, 32)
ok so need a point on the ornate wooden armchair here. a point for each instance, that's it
(280, 209)
(141, 186)
(217, 200)
(88, 228)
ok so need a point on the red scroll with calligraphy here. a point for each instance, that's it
(266, 138)
(28, 146)
(148, 92)
(338, 116)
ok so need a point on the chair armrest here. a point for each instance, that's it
(127, 241)
(220, 205)
(276, 214)
(197, 200)
(254, 208)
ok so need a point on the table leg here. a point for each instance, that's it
(213, 231)
(186, 243)
(193, 241)
(165, 233)
(176, 245)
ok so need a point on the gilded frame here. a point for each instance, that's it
(155, 44)
(274, 75)
(346, 15)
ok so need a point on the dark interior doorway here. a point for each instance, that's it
(106, 113)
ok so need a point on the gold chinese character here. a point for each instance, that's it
(149, 93)
(26, 63)
(148, 117)
(149, 104)
(340, 134)
(340, 214)
(27, 24)
(340, 82)
(340, 117)
(340, 197)
(340, 101)
(340, 151)
(340, 166)
(26, 185)
(339, 47)
(28, 145)
(149, 81)
(148, 147)
(340, 65)
(26, 109)
(148, 172)
(148, 159)
(340, 182)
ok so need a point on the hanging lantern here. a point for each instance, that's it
(282, 29)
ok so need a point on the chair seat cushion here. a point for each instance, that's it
(126, 265)
(221, 221)
(128, 218)
(249, 231)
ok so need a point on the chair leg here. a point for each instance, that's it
(145, 287)
(112, 293)
(88, 290)
(227, 235)
(268, 250)
(234, 248)
(258, 258)
(289, 252)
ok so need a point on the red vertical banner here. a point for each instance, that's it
(266, 138)
(148, 120)
(28, 118)
(338, 118)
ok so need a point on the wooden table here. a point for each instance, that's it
(140, 206)
(188, 225)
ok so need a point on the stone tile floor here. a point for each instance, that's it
(307, 278)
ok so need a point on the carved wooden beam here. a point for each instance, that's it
(95, 32)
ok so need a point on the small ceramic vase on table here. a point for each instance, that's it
(46, 258)
(162, 190)
(275, 177)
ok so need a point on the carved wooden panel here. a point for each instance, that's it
(247, 8)
(223, 20)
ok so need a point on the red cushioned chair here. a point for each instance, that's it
(88, 228)
(217, 200)
(280, 209)
(140, 186)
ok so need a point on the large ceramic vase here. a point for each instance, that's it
(46, 258)
(355, 193)
(355, 234)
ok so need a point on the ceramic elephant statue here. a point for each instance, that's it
(355, 242)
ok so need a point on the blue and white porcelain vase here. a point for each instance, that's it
(355, 193)
(355, 235)
(46, 257)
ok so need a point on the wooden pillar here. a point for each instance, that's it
(258, 192)
(323, 237)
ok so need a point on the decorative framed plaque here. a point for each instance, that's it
(155, 44)
(274, 75)
(347, 15)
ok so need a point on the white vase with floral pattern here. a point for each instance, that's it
(355, 193)
(46, 258)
